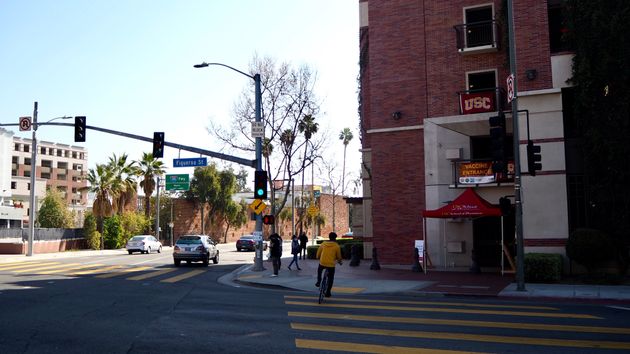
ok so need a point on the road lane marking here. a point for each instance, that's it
(122, 272)
(97, 270)
(54, 266)
(343, 290)
(186, 275)
(69, 268)
(465, 336)
(469, 323)
(26, 265)
(445, 310)
(157, 273)
(545, 308)
(370, 348)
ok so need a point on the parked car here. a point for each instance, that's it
(248, 242)
(195, 248)
(143, 244)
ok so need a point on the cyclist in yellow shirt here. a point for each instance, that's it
(328, 253)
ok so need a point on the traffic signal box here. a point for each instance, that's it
(158, 145)
(497, 137)
(533, 158)
(79, 129)
(260, 185)
(269, 219)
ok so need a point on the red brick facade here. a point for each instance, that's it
(410, 64)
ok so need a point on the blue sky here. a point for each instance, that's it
(128, 66)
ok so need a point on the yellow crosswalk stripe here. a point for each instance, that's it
(26, 265)
(69, 268)
(444, 310)
(186, 275)
(370, 348)
(484, 324)
(152, 274)
(39, 269)
(463, 304)
(122, 272)
(465, 336)
(97, 270)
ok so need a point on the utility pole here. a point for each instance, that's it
(32, 203)
(520, 250)
(157, 209)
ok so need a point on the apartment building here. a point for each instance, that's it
(432, 74)
(59, 166)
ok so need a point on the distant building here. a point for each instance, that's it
(59, 166)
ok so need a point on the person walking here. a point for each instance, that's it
(328, 254)
(303, 242)
(295, 250)
(275, 251)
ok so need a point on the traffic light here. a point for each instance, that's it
(269, 219)
(158, 145)
(497, 141)
(79, 129)
(260, 185)
(533, 158)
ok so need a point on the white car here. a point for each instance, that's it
(195, 248)
(143, 244)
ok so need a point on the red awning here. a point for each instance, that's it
(469, 204)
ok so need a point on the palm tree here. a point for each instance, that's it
(308, 127)
(149, 168)
(346, 136)
(125, 186)
(101, 183)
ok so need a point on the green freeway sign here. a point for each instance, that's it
(177, 182)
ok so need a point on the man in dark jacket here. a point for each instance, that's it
(303, 241)
(275, 252)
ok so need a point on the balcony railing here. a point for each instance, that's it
(483, 100)
(477, 36)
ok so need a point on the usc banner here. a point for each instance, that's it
(477, 102)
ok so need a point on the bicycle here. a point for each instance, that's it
(323, 286)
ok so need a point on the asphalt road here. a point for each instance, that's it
(88, 305)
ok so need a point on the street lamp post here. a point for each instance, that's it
(258, 260)
(32, 203)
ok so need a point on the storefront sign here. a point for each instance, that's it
(477, 102)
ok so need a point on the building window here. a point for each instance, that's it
(558, 28)
(28, 186)
(45, 175)
(62, 165)
(13, 185)
(17, 147)
(46, 163)
(42, 150)
(14, 172)
(481, 94)
(27, 161)
(485, 80)
(27, 173)
(59, 152)
(27, 148)
(479, 31)
(15, 160)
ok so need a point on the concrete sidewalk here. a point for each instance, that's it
(362, 280)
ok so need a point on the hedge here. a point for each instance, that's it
(345, 245)
(543, 267)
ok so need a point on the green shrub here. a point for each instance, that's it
(311, 252)
(589, 247)
(113, 232)
(92, 237)
(543, 267)
(133, 223)
(346, 249)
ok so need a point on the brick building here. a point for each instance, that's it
(432, 74)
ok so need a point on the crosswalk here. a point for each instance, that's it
(100, 271)
(388, 326)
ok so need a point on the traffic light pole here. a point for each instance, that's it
(32, 207)
(258, 260)
(518, 205)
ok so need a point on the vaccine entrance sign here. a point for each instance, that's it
(177, 182)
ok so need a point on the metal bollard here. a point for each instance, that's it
(355, 260)
(375, 265)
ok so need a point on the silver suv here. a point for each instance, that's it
(195, 248)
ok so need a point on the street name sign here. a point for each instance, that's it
(177, 182)
(190, 162)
